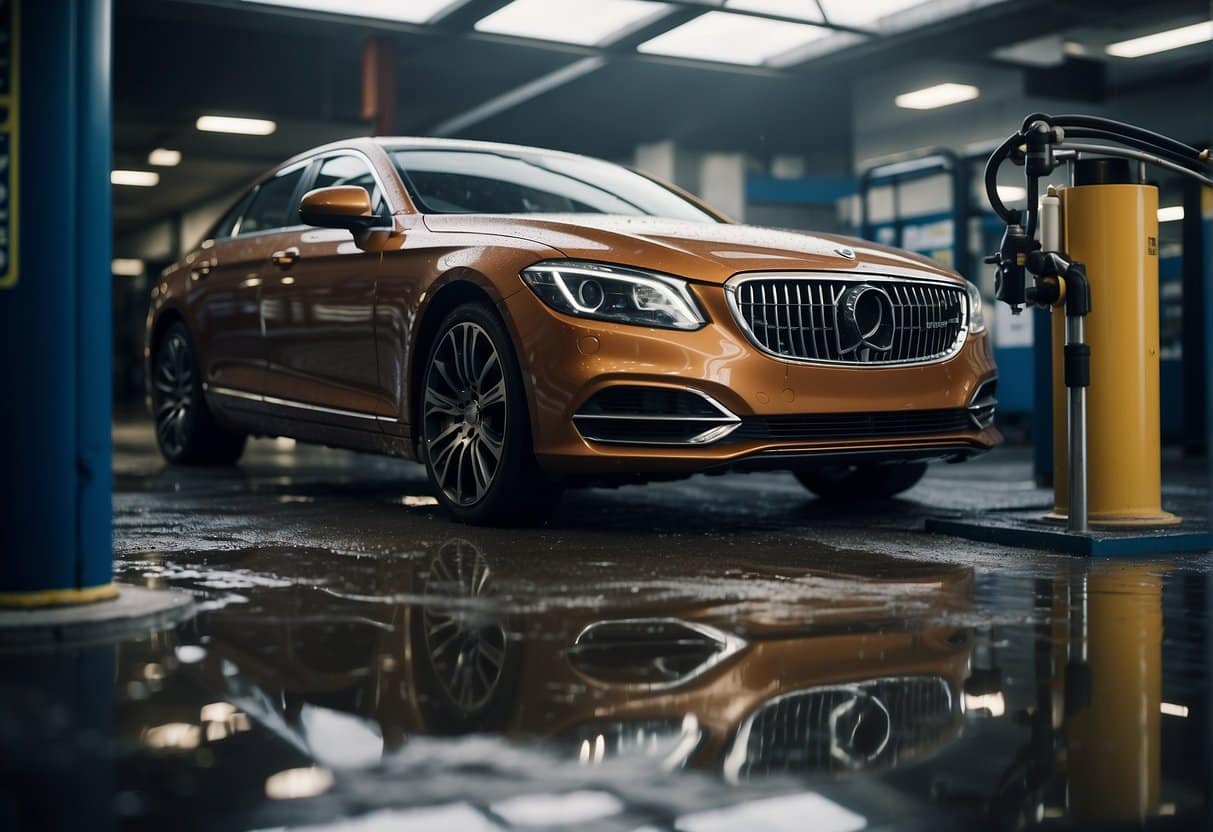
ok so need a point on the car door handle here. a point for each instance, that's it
(286, 257)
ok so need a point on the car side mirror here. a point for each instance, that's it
(341, 206)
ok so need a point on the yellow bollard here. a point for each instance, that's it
(1113, 230)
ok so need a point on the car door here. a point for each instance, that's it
(318, 291)
(226, 323)
(232, 324)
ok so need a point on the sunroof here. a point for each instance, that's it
(584, 22)
(733, 38)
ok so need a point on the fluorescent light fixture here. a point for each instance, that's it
(733, 39)
(135, 178)
(1011, 193)
(400, 11)
(165, 158)
(126, 267)
(1171, 213)
(231, 124)
(785, 8)
(584, 22)
(1171, 709)
(1163, 41)
(864, 14)
(940, 95)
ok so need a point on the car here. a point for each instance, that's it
(522, 320)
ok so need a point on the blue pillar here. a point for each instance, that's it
(55, 343)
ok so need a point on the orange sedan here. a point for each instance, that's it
(520, 320)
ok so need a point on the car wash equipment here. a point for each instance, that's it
(1091, 252)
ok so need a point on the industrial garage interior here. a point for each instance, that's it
(700, 580)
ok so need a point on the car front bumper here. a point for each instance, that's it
(566, 361)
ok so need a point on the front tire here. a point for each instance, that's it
(852, 483)
(185, 429)
(475, 428)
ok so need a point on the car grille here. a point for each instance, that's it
(824, 426)
(800, 318)
(871, 724)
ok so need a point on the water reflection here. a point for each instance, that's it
(1000, 703)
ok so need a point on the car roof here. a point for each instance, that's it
(390, 143)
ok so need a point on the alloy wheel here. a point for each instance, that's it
(467, 648)
(464, 413)
(174, 384)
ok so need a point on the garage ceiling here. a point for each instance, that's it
(178, 59)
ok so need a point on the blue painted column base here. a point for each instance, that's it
(1027, 530)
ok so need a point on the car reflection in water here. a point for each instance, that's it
(854, 684)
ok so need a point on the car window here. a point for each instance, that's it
(227, 224)
(273, 206)
(482, 182)
(351, 170)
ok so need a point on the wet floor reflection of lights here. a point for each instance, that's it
(298, 783)
(172, 736)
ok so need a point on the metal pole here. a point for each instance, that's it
(1077, 519)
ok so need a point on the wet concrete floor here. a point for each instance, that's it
(715, 654)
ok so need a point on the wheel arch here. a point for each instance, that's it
(164, 318)
(450, 291)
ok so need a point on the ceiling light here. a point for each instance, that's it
(584, 22)
(1011, 193)
(135, 178)
(126, 267)
(1162, 41)
(863, 14)
(231, 124)
(940, 95)
(1171, 213)
(165, 158)
(733, 39)
(785, 8)
(403, 11)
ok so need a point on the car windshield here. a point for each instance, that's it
(490, 182)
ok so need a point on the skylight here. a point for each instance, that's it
(803, 9)
(733, 38)
(864, 14)
(584, 22)
(402, 11)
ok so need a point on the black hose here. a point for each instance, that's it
(995, 161)
(1122, 129)
(1138, 144)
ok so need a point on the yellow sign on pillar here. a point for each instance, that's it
(10, 89)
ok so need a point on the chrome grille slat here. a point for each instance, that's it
(794, 317)
(792, 734)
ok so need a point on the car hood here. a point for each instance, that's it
(707, 252)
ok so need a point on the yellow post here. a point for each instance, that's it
(1113, 230)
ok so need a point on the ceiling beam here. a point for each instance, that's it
(518, 95)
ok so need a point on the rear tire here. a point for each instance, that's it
(861, 482)
(186, 432)
(475, 427)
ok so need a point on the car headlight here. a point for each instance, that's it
(977, 315)
(612, 293)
